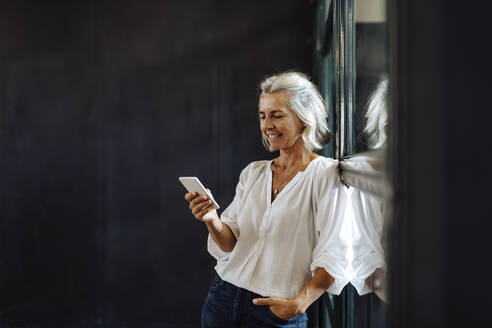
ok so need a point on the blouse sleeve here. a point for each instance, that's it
(368, 252)
(229, 217)
(331, 239)
(367, 224)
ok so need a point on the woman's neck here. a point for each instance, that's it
(294, 156)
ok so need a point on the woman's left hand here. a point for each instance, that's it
(283, 308)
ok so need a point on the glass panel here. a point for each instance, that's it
(351, 68)
(363, 167)
(368, 213)
(370, 115)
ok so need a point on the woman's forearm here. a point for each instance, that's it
(221, 234)
(314, 289)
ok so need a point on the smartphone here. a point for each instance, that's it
(192, 184)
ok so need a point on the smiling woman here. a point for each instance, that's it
(280, 126)
(293, 96)
(292, 205)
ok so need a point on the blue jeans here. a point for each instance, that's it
(228, 306)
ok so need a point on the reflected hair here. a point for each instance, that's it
(377, 116)
(306, 101)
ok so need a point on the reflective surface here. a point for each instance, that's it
(369, 112)
(363, 164)
(369, 209)
(351, 66)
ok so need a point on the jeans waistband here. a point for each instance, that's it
(247, 293)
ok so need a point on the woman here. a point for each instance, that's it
(278, 244)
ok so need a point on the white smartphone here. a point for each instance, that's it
(192, 184)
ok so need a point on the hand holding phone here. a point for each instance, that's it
(192, 184)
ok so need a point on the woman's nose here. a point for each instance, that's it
(267, 123)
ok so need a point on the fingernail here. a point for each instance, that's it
(255, 301)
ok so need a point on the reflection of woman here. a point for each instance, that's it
(377, 116)
(278, 245)
(368, 263)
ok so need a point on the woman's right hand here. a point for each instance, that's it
(201, 207)
(203, 210)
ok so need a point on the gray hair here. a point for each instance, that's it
(306, 101)
(377, 116)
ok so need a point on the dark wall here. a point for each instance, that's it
(440, 261)
(103, 105)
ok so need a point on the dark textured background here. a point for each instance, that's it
(103, 105)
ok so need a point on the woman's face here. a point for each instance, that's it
(279, 124)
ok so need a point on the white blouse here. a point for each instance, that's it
(281, 244)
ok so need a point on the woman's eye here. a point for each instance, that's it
(277, 116)
(261, 117)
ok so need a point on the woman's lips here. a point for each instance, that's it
(274, 136)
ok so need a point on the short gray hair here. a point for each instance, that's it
(377, 116)
(306, 101)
